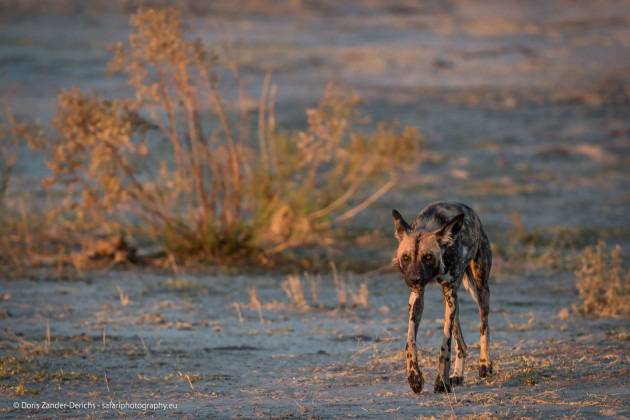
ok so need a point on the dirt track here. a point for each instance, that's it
(525, 110)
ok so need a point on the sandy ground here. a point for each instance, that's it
(525, 109)
(316, 360)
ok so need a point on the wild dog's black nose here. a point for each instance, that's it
(412, 281)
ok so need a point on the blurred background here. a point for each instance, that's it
(523, 105)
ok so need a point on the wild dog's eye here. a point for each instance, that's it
(428, 258)
(405, 258)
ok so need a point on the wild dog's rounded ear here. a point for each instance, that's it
(447, 234)
(402, 227)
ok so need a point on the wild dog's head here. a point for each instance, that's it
(420, 254)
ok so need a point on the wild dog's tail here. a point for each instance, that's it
(470, 284)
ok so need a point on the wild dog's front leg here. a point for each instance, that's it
(416, 306)
(443, 382)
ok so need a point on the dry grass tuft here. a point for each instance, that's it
(189, 377)
(314, 283)
(525, 326)
(564, 314)
(255, 303)
(360, 298)
(344, 290)
(380, 349)
(293, 288)
(124, 298)
(604, 284)
(340, 286)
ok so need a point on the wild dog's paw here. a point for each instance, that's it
(416, 382)
(457, 380)
(485, 369)
(441, 385)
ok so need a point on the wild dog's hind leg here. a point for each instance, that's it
(480, 270)
(485, 364)
(457, 378)
(443, 381)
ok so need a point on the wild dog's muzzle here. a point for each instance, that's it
(415, 280)
(412, 277)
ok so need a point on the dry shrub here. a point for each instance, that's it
(604, 284)
(180, 160)
(16, 229)
(11, 131)
(8, 158)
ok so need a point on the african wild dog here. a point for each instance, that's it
(445, 242)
